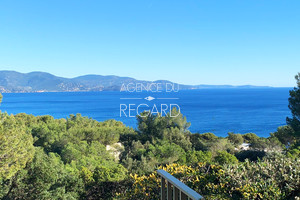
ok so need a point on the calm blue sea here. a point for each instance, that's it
(219, 111)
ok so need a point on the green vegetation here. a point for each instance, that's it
(16, 146)
(274, 177)
(294, 105)
(81, 158)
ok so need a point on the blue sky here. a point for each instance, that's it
(193, 41)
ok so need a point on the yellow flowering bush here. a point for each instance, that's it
(148, 186)
(272, 178)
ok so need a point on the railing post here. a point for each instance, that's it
(163, 189)
(169, 194)
(183, 196)
(175, 189)
(175, 193)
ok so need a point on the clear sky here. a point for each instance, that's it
(190, 41)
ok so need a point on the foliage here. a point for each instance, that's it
(221, 144)
(236, 139)
(202, 141)
(294, 152)
(16, 146)
(193, 157)
(70, 159)
(250, 137)
(147, 186)
(45, 177)
(275, 177)
(160, 140)
(157, 127)
(294, 106)
(267, 144)
(285, 134)
(110, 173)
(144, 158)
(223, 157)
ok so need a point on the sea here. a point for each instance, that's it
(219, 111)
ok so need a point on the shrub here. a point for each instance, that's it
(223, 157)
(275, 177)
(236, 139)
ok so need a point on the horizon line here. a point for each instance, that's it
(120, 76)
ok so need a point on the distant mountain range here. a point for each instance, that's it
(16, 82)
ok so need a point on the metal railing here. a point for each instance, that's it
(175, 190)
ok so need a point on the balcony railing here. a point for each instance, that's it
(173, 189)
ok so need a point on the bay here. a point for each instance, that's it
(257, 110)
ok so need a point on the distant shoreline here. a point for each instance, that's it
(211, 88)
(39, 82)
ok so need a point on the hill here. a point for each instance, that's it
(14, 82)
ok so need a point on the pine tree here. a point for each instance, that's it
(294, 106)
(16, 146)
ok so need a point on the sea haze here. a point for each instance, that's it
(257, 110)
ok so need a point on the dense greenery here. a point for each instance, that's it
(81, 158)
(70, 157)
(16, 146)
(274, 177)
(294, 105)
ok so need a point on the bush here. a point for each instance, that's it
(275, 177)
(285, 134)
(236, 139)
(294, 152)
(223, 157)
(250, 137)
